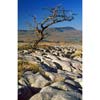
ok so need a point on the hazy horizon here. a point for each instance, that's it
(53, 27)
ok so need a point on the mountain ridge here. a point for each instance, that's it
(55, 34)
(57, 28)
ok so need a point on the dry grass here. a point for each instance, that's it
(26, 46)
(78, 53)
(25, 65)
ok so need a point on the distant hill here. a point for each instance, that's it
(56, 34)
(61, 29)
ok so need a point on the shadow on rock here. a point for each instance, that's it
(26, 92)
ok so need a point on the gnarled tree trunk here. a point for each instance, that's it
(57, 14)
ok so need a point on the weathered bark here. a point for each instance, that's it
(37, 42)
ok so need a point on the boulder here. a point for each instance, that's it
(51, 93)
(55, 77)
(36, 80)
(47, 67)
(77, 67)
(60, 85)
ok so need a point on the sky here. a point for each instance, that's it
(28, 8)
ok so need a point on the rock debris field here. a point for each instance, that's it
(53, 73)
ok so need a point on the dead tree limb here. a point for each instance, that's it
(57, 14)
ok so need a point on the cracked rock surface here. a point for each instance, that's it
(53, 73)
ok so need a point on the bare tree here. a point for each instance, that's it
(57, 14)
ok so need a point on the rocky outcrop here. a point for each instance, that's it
(59, 74)
(53, 93)
(34, 80)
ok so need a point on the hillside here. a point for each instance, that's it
(57, 34)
